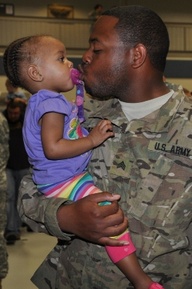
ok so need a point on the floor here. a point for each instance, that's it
(24, 258)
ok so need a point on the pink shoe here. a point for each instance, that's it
(155, 286)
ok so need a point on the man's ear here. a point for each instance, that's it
(34, 73)
(139, 55)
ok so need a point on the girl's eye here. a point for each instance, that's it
(62, 59)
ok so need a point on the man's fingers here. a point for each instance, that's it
(104, 196)
(115, 230)
(107, 241)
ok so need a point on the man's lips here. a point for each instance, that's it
(82, 71)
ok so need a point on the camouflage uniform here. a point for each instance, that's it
(149, 163)
(4, 153)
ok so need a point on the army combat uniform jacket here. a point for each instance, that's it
(4, 154)
(149, 163)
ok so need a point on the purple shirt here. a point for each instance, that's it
(46, 171)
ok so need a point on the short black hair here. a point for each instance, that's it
(138, 24)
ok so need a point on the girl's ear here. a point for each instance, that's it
(139, 55)
(34, 73)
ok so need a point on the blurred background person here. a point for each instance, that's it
(96, 12)
(4, 153)
(14, 92)
(17, 167)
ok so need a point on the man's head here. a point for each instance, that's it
(138, 24)
(127, 44)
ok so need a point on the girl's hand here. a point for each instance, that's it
(102, 131)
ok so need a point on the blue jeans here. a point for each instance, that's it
(14, 178)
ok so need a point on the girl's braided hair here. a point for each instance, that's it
(12, 59)
(17, 55)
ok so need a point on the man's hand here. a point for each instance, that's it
(94, 223)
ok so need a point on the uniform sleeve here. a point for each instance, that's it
(39, 212)
(4, 153)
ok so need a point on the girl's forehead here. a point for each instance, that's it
(52, 44)
(50, 40)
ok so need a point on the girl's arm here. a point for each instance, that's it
(56, 147)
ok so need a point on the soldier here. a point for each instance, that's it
(148, 162)
(4, 154)
(17, 166)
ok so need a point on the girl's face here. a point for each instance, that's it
(54, 66)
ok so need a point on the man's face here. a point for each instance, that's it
(105, 64)
(14, 114)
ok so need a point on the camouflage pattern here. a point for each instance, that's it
(149, 163)
(173, 86)
(4, 153)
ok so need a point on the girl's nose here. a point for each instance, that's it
(70, 64)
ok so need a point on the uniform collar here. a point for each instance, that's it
(157, 122)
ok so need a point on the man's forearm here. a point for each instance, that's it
(39, 212)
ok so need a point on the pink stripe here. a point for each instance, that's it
(57, 190)
(117, 253)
